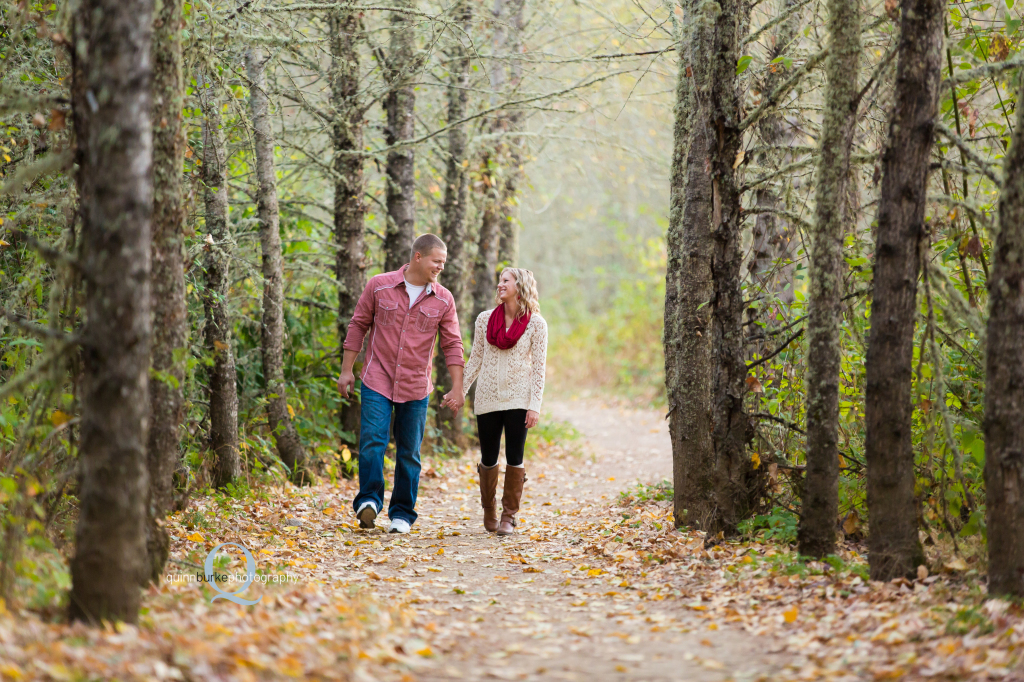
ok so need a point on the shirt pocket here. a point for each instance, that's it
(428, 319)
(386, 311)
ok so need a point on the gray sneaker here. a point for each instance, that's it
(366, 514)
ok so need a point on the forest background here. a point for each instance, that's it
(568, 123)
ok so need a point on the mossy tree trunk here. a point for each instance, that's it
(893, 544)
(731, 426)
(349, 209)
(400, 104)
(453, 215)
(289, 447)
(170, 323)
(688, 288)
(222, 389)
(112, 108)
(1004, 385)
(820, 503)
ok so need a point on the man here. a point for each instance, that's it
(402, 311)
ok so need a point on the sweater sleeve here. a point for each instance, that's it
(539, 351)
(476, 354)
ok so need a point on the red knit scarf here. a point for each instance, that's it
(496, 333)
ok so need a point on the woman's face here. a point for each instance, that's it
(507, 288)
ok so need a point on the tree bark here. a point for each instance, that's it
(688, 289)
(112, 108)
(349, 186)
(167, 281)
(820, 504)
(731, 426)
(771, 236)
(893, 544)
(289, 447)
(485, 277)
(223, 392)
(453, 216)
(1004, 390)
(400, 105)
(511, 122)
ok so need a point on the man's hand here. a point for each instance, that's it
(532, 417)
(453, 400)
(346, 382)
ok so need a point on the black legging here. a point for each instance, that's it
(489, 426)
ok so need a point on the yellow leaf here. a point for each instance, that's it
(790, 614)
(329, 510)
(739, 159)
(196, 537)
(266, 551)
(59, 418)
(7, 158)
(346, 454)
(747, 559)
(309, 565)
(712, 626)
(291, 412)
(440, 550)
(531, 569)
(11, 671)
(594, 572)
(755, 459)
(426, 651)
(956, 564)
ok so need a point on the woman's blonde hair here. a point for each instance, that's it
(526, 290)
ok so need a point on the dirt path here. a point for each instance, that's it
(527, 607)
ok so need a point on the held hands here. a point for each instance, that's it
(453, 400)
(532, 417)
(346, 382)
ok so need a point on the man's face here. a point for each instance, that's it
(431, 264)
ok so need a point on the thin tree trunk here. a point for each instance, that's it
(820, 503)
(688, 289)
(512, 123)
(453, 216)
(771, 236)
(485, 277)
(223, 392)
(349, 209)
(893, 544)
(732, 428)
(170, 323)
(112, 109)
(400, 105)
(289, 447)
(1004, 389)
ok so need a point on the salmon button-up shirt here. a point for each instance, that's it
(398, 359)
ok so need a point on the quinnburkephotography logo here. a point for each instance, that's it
(243, 579)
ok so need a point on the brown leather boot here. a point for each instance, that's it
(488, 486)
(515, 477)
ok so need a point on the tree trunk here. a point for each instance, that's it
(820, 504)
(731, 426)
(289, 447)
(349, 209)
(400, 105)
(893, 544)
(170, 323)
(453, 216)
(511, 123)
(223, 393)
(688, 290)
(771, 236)
(112, 108)
(485, 277)
(1004, 390)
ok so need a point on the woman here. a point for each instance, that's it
(507, 360)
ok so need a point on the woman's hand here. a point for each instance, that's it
(453, 400)
(532, 417)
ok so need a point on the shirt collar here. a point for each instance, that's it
(430, 285)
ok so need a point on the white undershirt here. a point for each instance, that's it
(413, 291)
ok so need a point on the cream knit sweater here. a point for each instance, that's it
(510, 379)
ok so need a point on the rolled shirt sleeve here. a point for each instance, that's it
(451, 338)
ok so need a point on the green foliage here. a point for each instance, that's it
(642, 493)
(780, 525)
(553, 433)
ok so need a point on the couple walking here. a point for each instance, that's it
(403, 312)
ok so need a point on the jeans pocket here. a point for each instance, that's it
(428, 319)
(386, 311)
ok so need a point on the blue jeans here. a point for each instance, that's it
(374, 428)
